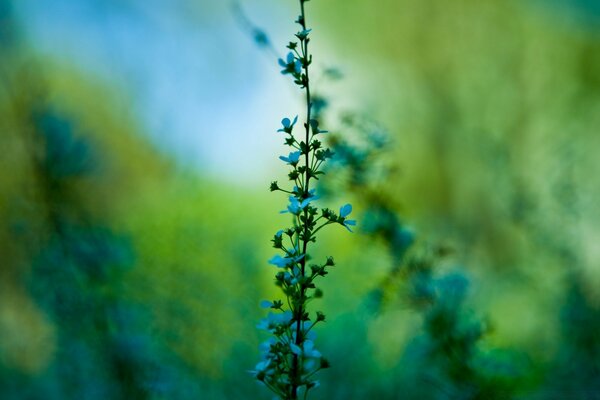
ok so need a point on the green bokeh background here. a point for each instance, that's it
(131, 269)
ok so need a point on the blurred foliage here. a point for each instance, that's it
(123, 276)
(448, 357)
(495, 109)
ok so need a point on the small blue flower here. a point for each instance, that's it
(263, 325)
(310, 351)
(293, 207)
(296, 206)
(303, 34)
(288, 278)
(290, 59)
(284, 317)
(345, 210)
(266, 345)
(295, 275)
(350, 222)
(280, 262)
(283, 262)
(291, 65)
(273, 319)
(261, 367)
(292, 158)
(288, 125)
(295, 349)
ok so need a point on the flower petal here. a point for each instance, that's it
(345, 210)
(295, 349)
(266, 304)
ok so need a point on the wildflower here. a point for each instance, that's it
(296, 206)
(311, 355)
(261, 369)
(274, 319)
(291, 65)
(345, 210)
(295, 349)
(280, 262)
(310, 351)
(303, 34)
(292, 158)
(288, 125)
(283, 262)
(290, 358)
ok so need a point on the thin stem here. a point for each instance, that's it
(285, 191)
(319, 228)
(306, 187)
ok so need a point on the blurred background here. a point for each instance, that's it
(138, 141)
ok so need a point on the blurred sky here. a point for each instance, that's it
(201, 88)
(198, 80)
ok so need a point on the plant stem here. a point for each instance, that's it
(299, 315)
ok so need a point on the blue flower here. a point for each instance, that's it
(293, 277)
(291, 65)
(350, 222)
(345, 210)
(273, 319)
(263, 368)
(283, 262)
(284, 64)
(288, 125)
(303, 34)
(280, 262)
(292, 158)
(266, 345)
(295, 349)
(296, 206)
(310, 351)
(293, 207)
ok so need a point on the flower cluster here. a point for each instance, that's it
(289, 358)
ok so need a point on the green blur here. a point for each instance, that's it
(126, 276)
